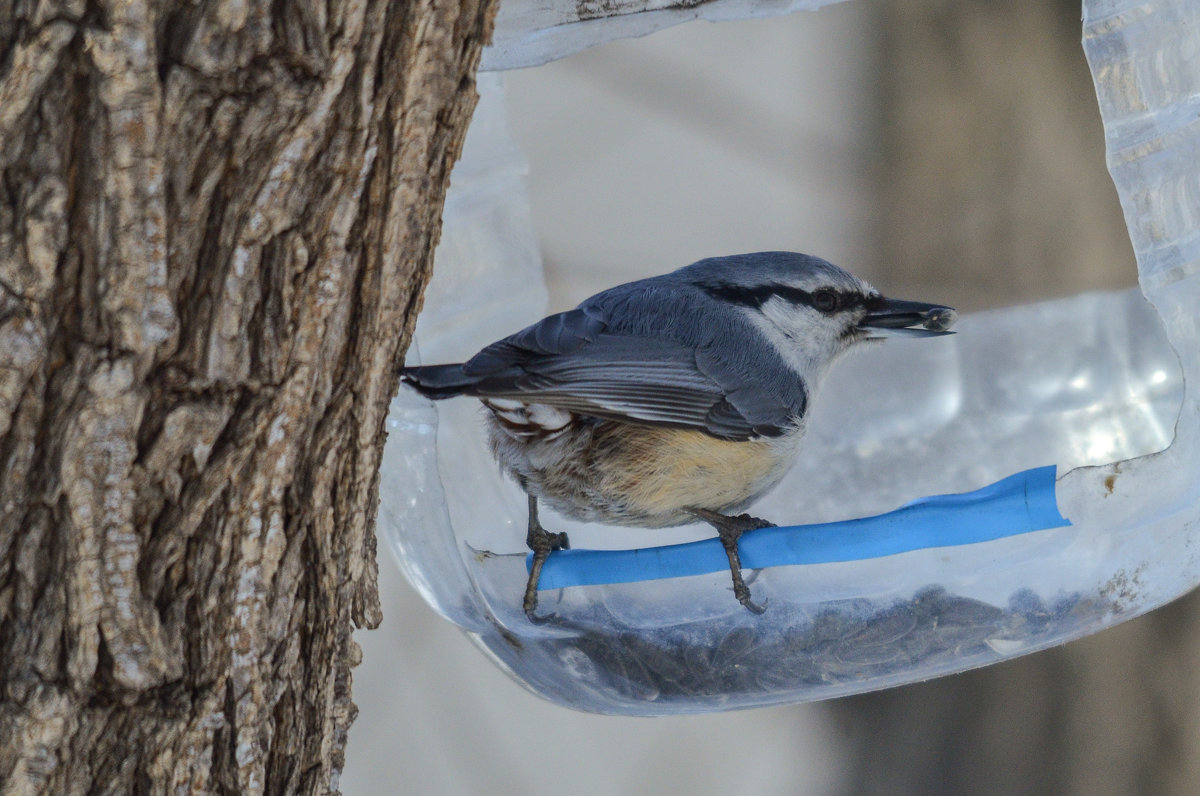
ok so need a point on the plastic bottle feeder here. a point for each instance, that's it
(1030, 480)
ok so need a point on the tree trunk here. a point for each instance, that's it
(216, 221)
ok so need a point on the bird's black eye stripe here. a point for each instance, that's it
(823, 300)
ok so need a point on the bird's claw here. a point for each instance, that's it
(730, 530)
(542, 543)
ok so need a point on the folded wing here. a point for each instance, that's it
(575, 361)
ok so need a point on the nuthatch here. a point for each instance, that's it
(671, 399)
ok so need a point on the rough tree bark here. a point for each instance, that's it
(216, 221)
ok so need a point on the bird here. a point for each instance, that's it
(671, 399)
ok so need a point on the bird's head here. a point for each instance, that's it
(810, 309)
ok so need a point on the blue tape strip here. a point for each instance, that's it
(1021, 503)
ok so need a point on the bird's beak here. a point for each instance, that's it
(896, 318)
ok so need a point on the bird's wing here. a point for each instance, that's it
(575, 361)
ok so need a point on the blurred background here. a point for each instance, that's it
(950, 151)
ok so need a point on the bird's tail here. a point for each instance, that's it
(437, 381)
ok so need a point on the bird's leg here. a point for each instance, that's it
(730, 530)
(542, 543)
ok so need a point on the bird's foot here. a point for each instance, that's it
(730, 530)
(542, 543)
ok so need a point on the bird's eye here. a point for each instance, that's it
(825, 300)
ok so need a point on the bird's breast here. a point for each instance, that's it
(631, 473)
(657, 473)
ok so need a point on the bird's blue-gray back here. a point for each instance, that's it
(659, 350)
